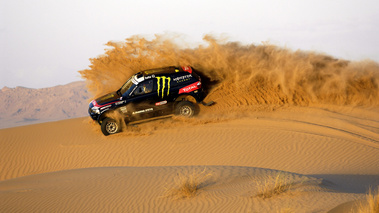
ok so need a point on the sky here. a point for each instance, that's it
(45, 43)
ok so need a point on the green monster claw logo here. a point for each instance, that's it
(163, 83)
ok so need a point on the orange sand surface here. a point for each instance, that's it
(329, 155)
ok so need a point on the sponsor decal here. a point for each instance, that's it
(190, 88)
(95, 103)
(182, 77)
(120, 102)
(143, 111)
(150, 76)
(107, 104)
(162, 85)
(105, 107)
(161, 103)
(187, 69)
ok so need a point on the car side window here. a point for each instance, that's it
(144, 88)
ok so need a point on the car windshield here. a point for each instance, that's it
(126, 86)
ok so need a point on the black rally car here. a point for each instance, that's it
(148, 94)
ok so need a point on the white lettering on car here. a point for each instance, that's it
(120, 102)
(182, 77)
(160, 103)
(105, 107)
(189, 88)
(143, 111)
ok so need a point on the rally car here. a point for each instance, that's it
(149, 94)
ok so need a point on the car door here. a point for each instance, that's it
(142, 100)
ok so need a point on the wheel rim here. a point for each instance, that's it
(111, 127)
(186, 111)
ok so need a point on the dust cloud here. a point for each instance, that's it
(242, 75)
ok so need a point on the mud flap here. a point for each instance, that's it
(207, 104)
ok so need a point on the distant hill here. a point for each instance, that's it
(22, 106)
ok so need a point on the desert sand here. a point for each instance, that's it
(291, 131)
(327, 154)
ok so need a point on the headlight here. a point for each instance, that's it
(95, 110)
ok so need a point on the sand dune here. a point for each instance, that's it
(291, 131)
(141, 189)
(70, 166)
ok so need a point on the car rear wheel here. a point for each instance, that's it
(109, 126)
(185, 108)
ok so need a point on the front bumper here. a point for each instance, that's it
(92, 113)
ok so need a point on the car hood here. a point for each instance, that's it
(113, 96)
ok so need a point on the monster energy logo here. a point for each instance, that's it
(163, 85)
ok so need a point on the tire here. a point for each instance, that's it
(185, 108)
(110, 126)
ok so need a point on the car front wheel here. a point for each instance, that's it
(109, 126)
